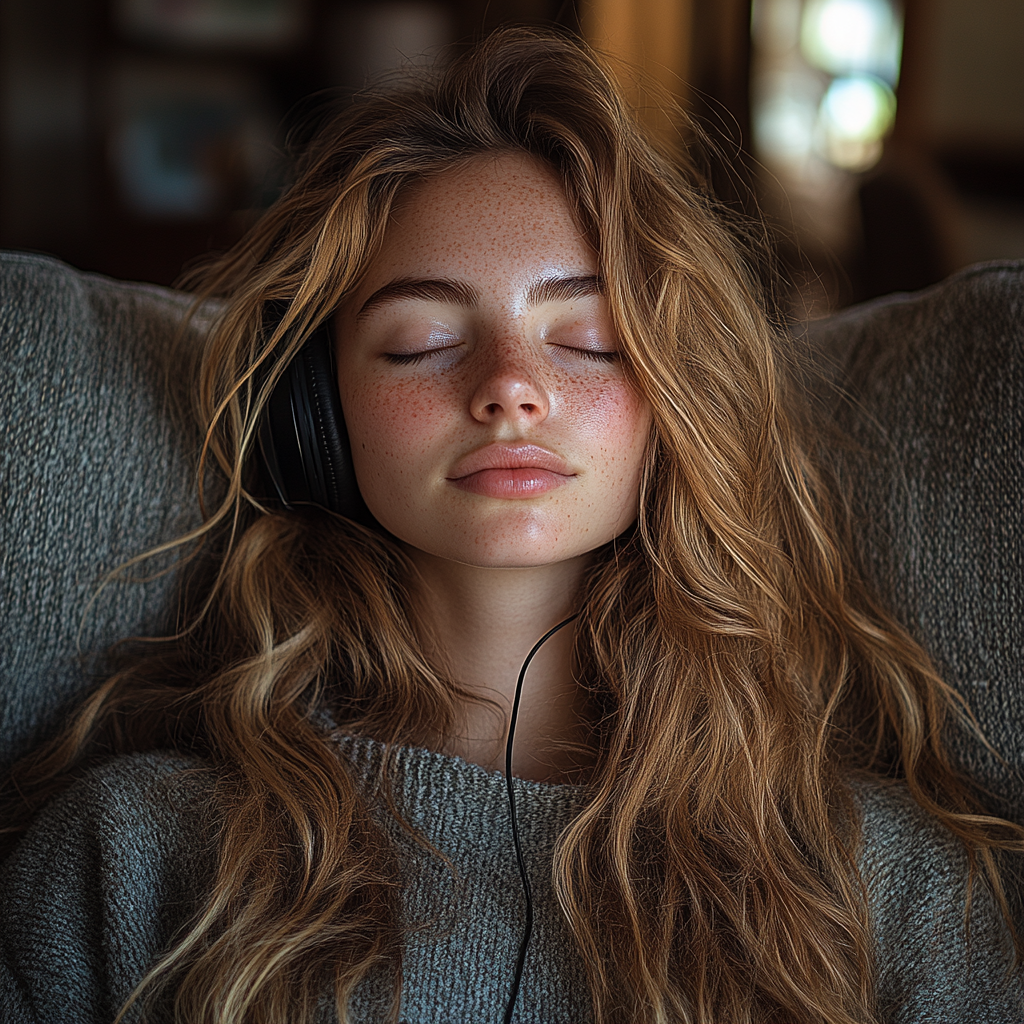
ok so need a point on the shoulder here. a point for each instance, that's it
(105, 876)
(122, 828)
(942, 949)
(162, 782)
(900, 841)
(156, 776)
(153, 795)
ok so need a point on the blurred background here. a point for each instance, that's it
(883, 141)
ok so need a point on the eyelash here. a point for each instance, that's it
(412, 358)
(596, 356)
(409, 358)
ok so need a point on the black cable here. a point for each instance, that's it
(524, 877)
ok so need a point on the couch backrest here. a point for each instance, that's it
(931, 386)
(94, 469)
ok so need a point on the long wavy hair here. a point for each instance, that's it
(741, 669)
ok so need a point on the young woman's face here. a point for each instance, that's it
(488, 414)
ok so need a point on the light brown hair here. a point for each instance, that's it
(739, 669)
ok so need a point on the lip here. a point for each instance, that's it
(509, 456)
(510, 471)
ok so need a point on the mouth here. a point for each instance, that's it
(510, 471)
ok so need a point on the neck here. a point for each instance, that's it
(481, 624)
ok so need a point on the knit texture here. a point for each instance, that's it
(116, 864)
(94, 470)
(930, 388)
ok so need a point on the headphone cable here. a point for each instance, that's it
(510, 789)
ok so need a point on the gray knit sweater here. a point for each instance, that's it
(116, 864)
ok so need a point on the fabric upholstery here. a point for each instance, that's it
(930, 386)
(94, 469)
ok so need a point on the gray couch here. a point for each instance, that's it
(95, 469)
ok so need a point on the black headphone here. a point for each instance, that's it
(304, 451)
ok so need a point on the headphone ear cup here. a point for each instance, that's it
(303, 441)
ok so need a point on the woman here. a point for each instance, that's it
(566, 419)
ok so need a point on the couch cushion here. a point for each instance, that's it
(93, 470)
(931, 387)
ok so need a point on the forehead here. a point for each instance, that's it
(496, 213)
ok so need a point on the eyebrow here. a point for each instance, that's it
(441, 290)
(563, 289)
(551, 289)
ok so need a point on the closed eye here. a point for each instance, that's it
(411, 358)
(597, 355)
(406, 358)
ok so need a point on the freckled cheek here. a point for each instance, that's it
(613, 423)
(392, 421)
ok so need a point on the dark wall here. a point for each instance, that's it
(132, 153)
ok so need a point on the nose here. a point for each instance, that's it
(510, 389)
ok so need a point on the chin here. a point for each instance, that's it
(517, 559)
(508, 552)
(509, 549)
(519, 539)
